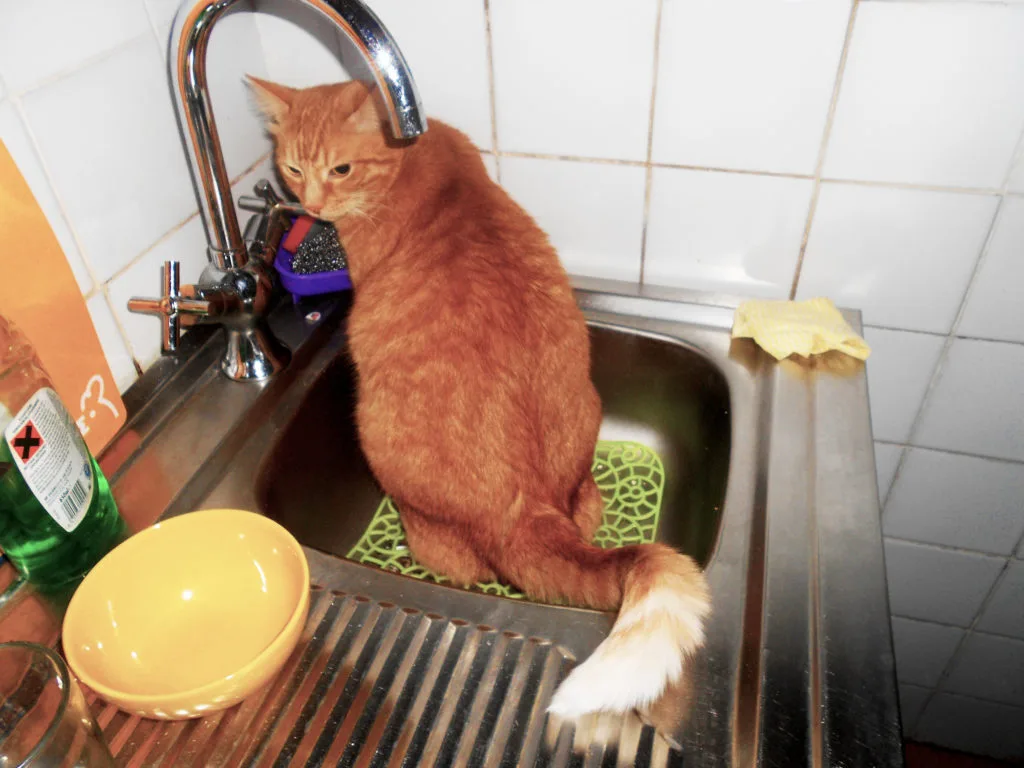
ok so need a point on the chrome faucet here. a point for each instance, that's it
(235, 288)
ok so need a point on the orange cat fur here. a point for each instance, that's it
(475, 406)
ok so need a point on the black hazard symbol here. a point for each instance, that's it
(27, 442)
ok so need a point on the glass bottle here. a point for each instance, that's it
(57, 514)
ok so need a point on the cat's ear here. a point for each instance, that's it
(366, 118)
(274, 100)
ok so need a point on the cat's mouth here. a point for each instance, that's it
(355, 206)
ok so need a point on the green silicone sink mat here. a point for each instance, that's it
(632, 482)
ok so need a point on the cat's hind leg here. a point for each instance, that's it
(587, 506)
(443, 550)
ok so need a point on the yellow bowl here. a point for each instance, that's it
(189, 616)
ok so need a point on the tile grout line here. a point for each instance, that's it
(181, 224)
(104, 291)
(946, 547)
(934, 623)
(89, 61)
(989, 191)
(950, 451)
(97, 286)
(934, 334)
(491, 88)
(982, 191)
(145, 251)
(570, 158)
(15, 98)
(951, 336)
(648, 169)
(48, 176)
(933, 690)
(104, 288)
(152, 26)
(954, 657)
(1015, 157)
(822, 149)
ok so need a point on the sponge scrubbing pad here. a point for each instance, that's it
(784, 328)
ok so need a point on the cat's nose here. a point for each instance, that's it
(314, 209)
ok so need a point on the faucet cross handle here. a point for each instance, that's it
(171, 306)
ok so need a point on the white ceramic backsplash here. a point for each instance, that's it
(869, 151)
(593, 212)
(994, 309)
(923, 649)
(931, 95)
(727, 232)
(139, 192)
(747, 86)
(573, 78)
(903, 256)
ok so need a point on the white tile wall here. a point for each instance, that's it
(887, 459)
(299, 47)
(1004, 614)
(452, 78)
(972, 725)
(912, 701)
(86, 113)
(593, 212)
(923, 649)
(161, 12)
(899, 369)
(725, 231)
(923, 83)
(990, 667)
(187, 244)
(957, 501)
(879, 249)
(978, 402)
(746, 84)
(928, 115)
(1016, 182)
(573, 79)
(45, 38)
(491, 163)
(104, 168)
(114, 348)
(235, 52)
(939, 585)
(995, 309)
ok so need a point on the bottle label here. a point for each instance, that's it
(51, 455)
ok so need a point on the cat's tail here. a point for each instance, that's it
(662, 598)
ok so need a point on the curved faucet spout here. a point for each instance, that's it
(189, 41)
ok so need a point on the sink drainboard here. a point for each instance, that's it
(375, 684)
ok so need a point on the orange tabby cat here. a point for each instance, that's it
(475, 406)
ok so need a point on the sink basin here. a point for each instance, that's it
(769, 483)
(657, 392)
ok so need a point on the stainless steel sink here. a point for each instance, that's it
(770, 483)
(654, 391)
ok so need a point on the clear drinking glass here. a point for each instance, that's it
(44, 718)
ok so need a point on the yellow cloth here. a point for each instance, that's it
(784, 328)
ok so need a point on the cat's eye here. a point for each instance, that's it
(341, 170)
(293, 169)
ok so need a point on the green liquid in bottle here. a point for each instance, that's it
(41, 549)
(57, 515)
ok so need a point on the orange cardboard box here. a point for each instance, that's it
(39, 293)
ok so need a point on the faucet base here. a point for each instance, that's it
(253, 354)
